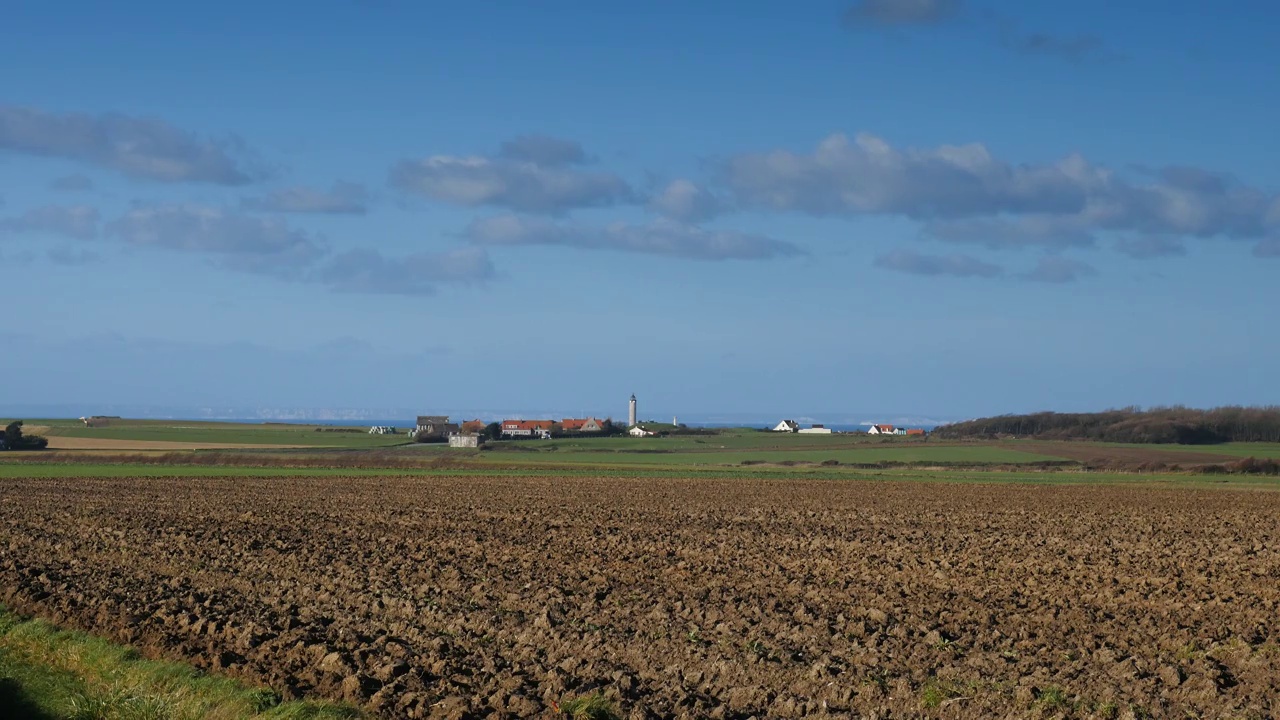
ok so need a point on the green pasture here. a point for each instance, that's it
(9, 470)
(728, 439)
(1233, 449)
(219, 432)
(657, 452)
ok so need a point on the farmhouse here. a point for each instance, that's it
(639, 431)
(527, 428)
(882, 430)
(915, 431)
(787, 426)
(472, 427)
(816, 430)
(586, 425)
(432, 424)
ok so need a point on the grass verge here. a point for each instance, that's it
(52, 674)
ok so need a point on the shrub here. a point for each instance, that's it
(15, 440)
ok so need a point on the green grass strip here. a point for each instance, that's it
(52, 674)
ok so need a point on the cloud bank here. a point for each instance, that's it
(343, 199)
(144, 148)
(662, 237)
(907, 261)
(533, 174)
(77, 221)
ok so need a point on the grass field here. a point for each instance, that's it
(50, 674)
(215, 432)
(866, 454)
(10, 470)
(1235, 449)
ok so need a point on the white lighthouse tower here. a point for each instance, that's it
(631, 412)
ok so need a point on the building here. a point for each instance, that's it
(586, 425)
(465, 441)
(382, 430)
(472, 427)
(432, 424)
(787, 426)
(816, 430)
(638, 431)
(631, 411)
(915, 431)
(527, 428)
(882, 430)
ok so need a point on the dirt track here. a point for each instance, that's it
(57, 442)
(488, 597)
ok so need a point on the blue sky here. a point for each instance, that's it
(936, 207)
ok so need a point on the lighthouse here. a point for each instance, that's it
(631, 412)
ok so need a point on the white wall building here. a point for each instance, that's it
(787, 426)
(815, 430)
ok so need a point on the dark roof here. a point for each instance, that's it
(433, 419)
(528, 424)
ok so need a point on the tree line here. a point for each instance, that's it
(14, 439)
(1178, 425)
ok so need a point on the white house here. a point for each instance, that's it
(815, 430)
(881, 430)
(639, 431)
(382, 430)
(787, 426)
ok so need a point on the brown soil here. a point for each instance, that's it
(57, 442)
(494, 597)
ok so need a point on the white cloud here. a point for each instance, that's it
(1269, 248)
(1146, 247)
(907, 261)
(72, 183)
(343, 199)
(868, 176)
(662, 237)
(531, 174)
(367, 271)
(901, 12)
(243, 242)
(1022, 231)
(1059, 269)
(76, 221)
(966, 195)
(543, 150)
(685, 200)
(72, 256)
(139, 147)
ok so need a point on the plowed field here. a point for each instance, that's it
(495, 597)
